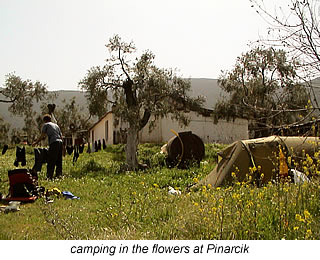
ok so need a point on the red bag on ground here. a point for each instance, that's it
(23, 186)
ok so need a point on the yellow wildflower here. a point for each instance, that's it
(229, 188)
(249, 203)
(299, 218)
(252, 169)
(307, 214)
(309, 232)
(236, 196)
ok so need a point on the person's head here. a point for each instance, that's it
(46, 118)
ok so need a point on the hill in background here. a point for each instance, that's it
(17, 122)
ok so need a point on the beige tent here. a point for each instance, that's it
(270, 155)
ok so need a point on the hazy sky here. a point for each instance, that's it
(57, 41)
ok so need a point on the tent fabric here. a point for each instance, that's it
(261, 153)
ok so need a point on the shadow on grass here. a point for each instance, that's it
(94, 169)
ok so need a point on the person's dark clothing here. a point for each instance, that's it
(54, 159)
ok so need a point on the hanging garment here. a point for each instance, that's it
(5, 148)
(89, 149)
(40, 157)
(81, 147)
(76, 153)
(20, 156)
(69, 149)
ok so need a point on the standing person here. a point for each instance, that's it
(54, 159)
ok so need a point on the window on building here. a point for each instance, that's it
(106, 128)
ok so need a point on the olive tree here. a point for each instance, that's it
(21, 94)
(264, 88)
(137, 90)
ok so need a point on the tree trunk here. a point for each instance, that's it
(131, 148)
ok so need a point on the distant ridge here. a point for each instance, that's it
(17, 122)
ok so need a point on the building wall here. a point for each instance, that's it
(155, 136)
(222, 132)
(102, 130)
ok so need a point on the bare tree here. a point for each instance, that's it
(294, 25)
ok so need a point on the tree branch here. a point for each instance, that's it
(145, 119)
(122, 64)
(8, 101)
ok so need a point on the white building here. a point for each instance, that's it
(203, 126)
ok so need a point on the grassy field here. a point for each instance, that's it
(136, 205)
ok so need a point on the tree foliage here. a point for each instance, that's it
(30, 125)
(22, 93)
(137, 90)
(4, 130)
(263, 87)
(71, 117)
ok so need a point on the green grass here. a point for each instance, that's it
(136, 205)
